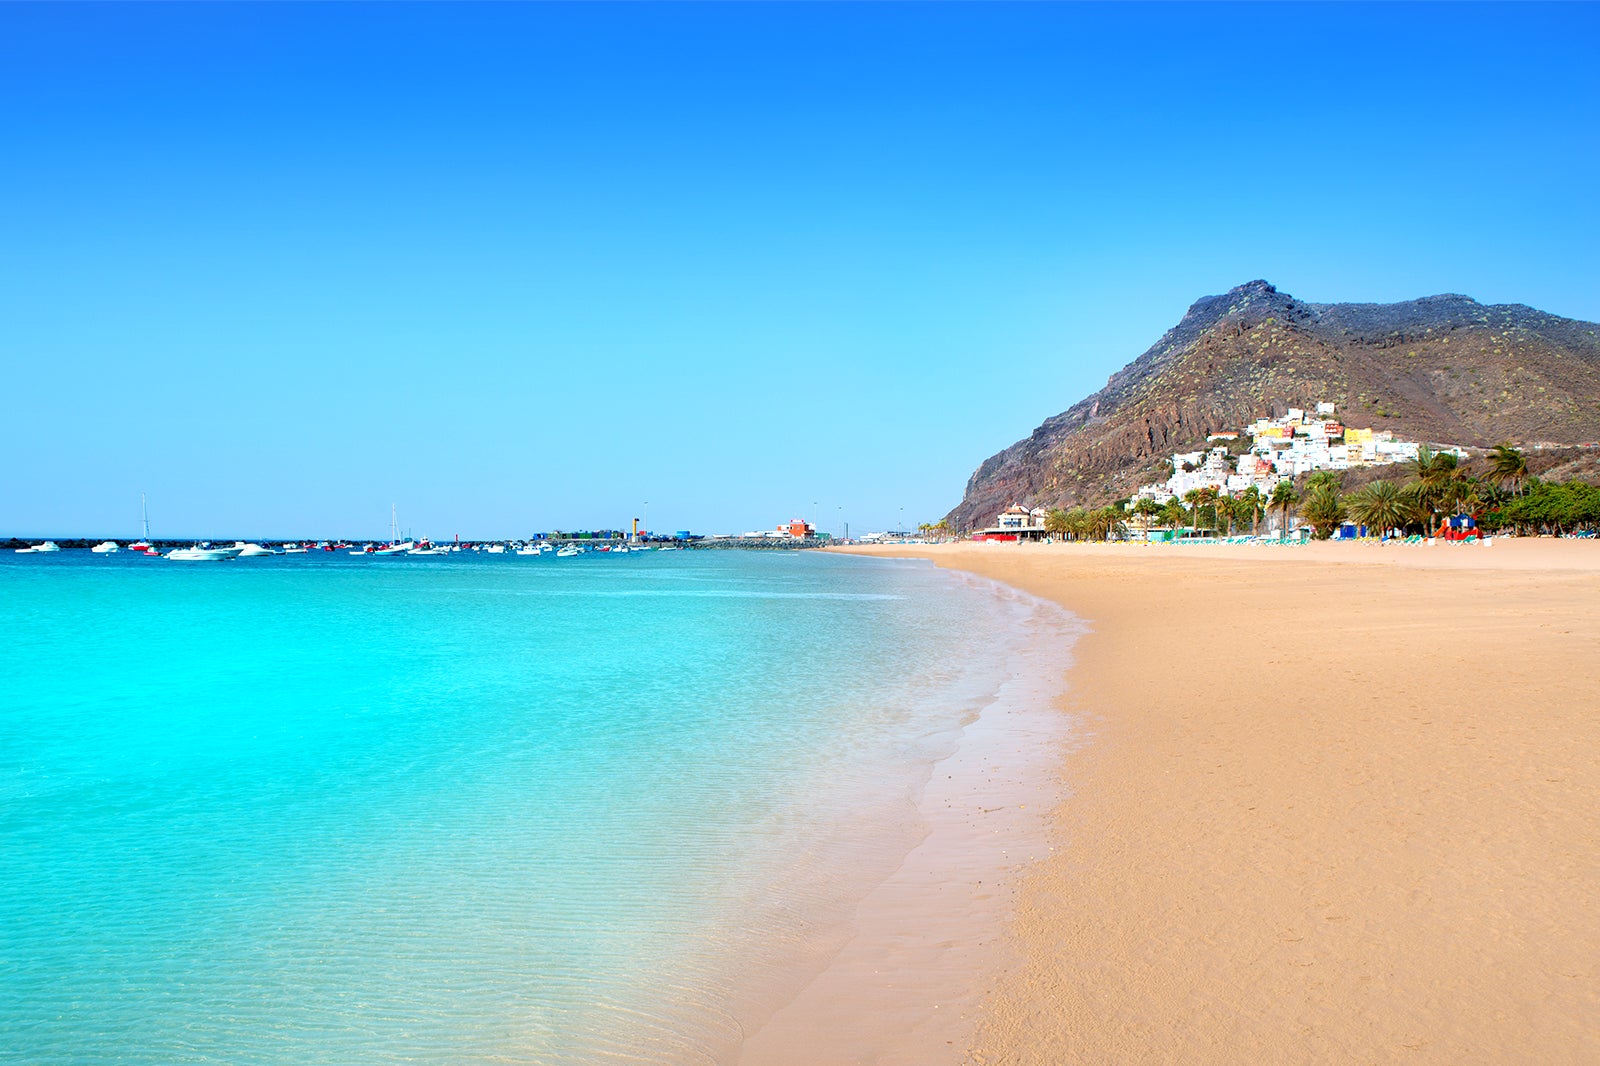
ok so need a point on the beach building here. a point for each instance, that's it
(1015, 523)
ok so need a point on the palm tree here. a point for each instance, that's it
(1437, 474)
(1283, 498)
(1147, 510)
(1383, 506)
(1508, 466)
(1206, 496)
(1192, 498)
(1107, 523)
(1173, 514)
(1055, 522)
(1078, 523)
(1247, 508)
(1324, 508)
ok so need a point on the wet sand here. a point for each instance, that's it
(1337, 803)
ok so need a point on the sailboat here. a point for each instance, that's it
(395, 546)
(143, 543)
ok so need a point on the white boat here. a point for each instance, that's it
(249, 551)
(294, 549)
(46, 547)
(530, 549)
(106, 547)
(395, 546)
(201, 554)
(496, 549)
(569, 551)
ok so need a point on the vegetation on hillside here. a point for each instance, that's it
(1440, 488)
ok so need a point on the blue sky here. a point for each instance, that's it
(517, 267)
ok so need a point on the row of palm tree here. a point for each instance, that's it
(1440, 488)
(1103, 523)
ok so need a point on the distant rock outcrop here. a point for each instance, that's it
(1443, 369)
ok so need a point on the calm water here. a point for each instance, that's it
(329, 810)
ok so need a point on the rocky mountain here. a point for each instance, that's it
(1442, 369)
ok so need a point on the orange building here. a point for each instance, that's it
(798, 528)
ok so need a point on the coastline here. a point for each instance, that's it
(1337, 805)
(907, 986)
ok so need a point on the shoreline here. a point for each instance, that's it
(1338, 806)
(907, 986)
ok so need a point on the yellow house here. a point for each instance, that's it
(1361, 444)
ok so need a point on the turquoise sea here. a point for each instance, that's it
(474, 809)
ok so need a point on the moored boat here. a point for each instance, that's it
(201, 553)
(45, 548)
(142, 545)
(106, 547)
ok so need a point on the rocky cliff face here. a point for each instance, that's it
(1443, 369)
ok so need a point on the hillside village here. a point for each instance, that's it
(1279, 449)
(1282, 449)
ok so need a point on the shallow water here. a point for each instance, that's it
(326, 810)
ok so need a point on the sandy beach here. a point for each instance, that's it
(1334, 803)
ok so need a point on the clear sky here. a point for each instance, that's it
(515, 268)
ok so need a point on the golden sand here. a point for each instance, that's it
(1334, 804)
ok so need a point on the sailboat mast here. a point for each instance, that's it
(144, 514)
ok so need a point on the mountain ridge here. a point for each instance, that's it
(1442, 368)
